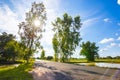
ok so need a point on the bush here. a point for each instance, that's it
(49, 57)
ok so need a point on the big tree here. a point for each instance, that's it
(89, 50)
(30, 30)
(66, 37)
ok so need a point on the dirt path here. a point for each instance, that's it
(45, 70)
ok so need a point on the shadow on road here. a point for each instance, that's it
(49, 73)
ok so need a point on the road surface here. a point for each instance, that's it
(46, 70)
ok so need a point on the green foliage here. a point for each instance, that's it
(12, 50)
(66, 37)
(43, 54)
(108, 60)
(55, 47)
(49, 57)
(16, 73)
(56, 57)
(89, 50)
(4, 39)
(109, 57)
(31, 33)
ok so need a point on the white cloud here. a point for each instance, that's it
(108, 47)
(118, 1)
(106, 20)
(118, 45)
(103, 49)
(113, 44)
(118, 38)
(8, 20)
(106, 40)
(89, 22)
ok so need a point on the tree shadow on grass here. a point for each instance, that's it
(16, 73)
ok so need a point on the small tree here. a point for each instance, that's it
(89, 50)
(31, 30)
(49, 57)
(43, 54)
(12, 50)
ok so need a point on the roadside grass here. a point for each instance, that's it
(108, 60)
(6, 67)
(96, 60)
(10, 72)
(77, 61)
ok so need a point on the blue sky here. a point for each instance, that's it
(100, 18)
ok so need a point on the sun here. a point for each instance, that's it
(36, 22)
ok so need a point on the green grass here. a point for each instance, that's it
(16, 73)
(6, 67)
(96, 60)
(91, 64)
(78, 61)
(108, 60)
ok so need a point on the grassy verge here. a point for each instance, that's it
(16, 73)
(108, 60)
(96, 60)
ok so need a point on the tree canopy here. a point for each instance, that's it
(4, 39)
(89, 50)
(10, 49)
(67, 36)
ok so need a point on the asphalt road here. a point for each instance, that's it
(46, 70)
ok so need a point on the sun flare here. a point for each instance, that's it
(36, 22)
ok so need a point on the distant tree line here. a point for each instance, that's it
(110, 57)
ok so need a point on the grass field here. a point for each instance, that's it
(10, 72)
(96, 60)
(108, 60)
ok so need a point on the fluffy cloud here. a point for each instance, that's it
(118, 1)
(89, 22)
(106, 40)
(103, 49)
(109, 46)
(8, 20)
(106, 20)
(118, 45)
(112, 45)
(118, 38)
